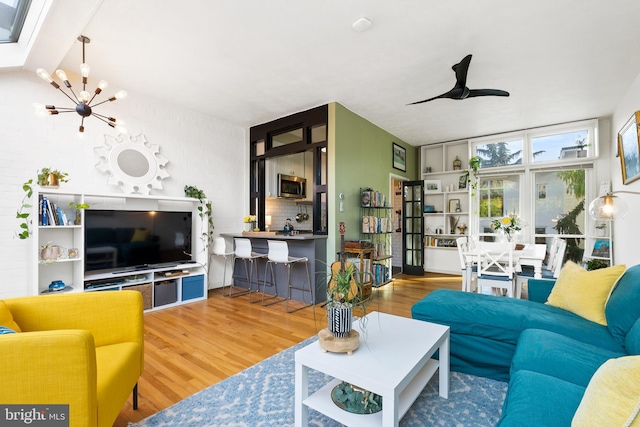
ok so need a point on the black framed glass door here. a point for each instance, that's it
(413, 230)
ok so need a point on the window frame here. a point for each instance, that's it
(528, 169)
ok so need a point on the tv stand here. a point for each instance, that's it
(162, 285)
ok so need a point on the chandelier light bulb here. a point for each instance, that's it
(121, 94)
(84, 70)
(85, 96)
(44, 75)
(40, 110)
(62, 75)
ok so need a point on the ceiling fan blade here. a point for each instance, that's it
(430, 99)
(487, 92)
(455, 93)
(461, 69)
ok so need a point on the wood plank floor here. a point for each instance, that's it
(191, 347)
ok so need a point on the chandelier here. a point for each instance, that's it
(82, 100)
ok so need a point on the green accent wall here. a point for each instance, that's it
(360, 155)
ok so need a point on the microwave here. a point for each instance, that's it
(292, 186)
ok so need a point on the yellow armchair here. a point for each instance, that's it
(81, 349)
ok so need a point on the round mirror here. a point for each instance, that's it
(133, 163)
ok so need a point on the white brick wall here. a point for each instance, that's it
(202, 151)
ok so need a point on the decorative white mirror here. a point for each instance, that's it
(130, 162)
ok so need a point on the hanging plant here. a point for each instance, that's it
(474, 165)
(204, 211)
(25, 210)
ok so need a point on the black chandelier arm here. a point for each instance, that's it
(113, 98)
(75, 101)
(74, 95)
(111, 119)
(97, 116)
(94, 95)
(60, 109)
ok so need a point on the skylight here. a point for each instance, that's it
(12, 16)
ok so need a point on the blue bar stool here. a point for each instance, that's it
(279, 254)
(244, 251)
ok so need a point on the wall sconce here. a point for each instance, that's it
(609, 207)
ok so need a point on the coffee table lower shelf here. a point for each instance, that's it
(321, 400)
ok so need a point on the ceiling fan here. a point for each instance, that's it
(460, 90)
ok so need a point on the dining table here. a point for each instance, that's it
(532, 254)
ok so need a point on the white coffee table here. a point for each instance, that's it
(393, 360)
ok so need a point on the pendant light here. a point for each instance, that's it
(83, 99)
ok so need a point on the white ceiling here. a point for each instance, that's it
(249, 62)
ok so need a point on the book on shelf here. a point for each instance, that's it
(49, 213)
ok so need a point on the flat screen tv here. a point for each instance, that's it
(120, 240)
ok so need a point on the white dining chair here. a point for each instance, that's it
(468, 268)
(526, 272)
(496, 267)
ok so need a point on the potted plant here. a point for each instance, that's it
(51, 178)
(601, 229)
(78, 207)
(342, 292)
(595, 264)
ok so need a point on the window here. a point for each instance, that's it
(285, 138)
(570, 145)
(498, 196)
(12, 16)
(544, 176)
(559, 208)
(502, 153)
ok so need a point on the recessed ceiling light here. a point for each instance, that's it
(361, 24)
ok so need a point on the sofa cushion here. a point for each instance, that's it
(538, 400)
(583, 292)
(611, 398)
(561, 357)
(632, 340)
(6, 318)
(623, 307)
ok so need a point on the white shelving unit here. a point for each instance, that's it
(450, 204)
(599, 244)
(187, 281)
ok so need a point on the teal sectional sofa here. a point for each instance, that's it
(547, 354)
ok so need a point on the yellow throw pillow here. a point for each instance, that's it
(6, 318)
(140, 235)
(612, 397)
(583, 292)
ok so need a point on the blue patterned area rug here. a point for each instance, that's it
(263, 395)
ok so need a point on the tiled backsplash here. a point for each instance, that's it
(281, 209)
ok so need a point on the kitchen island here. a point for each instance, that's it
(311, 246)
